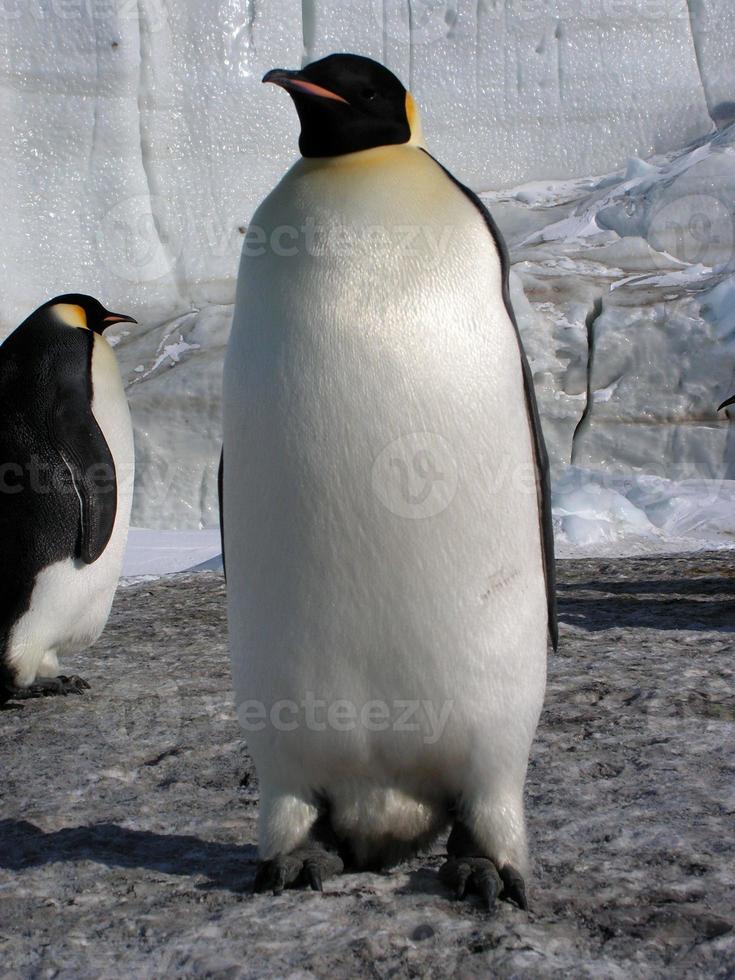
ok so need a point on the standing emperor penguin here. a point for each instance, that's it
(386, 505)
(66, 485)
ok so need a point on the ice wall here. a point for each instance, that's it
(518, 89)
(137, 140)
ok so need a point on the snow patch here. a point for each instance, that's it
(152, 553)
(598, 514)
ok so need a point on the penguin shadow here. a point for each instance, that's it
(229, 867)
(696, 603)
(424, 881)
(226, 866)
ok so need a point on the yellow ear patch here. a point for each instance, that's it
(71, 315)
(414, 121)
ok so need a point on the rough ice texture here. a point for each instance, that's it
(598, 513)
(631, 281)
(127, 839)
(139, 141)
(624, 288)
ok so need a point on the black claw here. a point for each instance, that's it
(464, 873)
(76, 684)
(279, 880)
(487, 883)
(472, 876)
(514, 887)
(269, 876)
(313, 876)
(72, 685)
(304, 866)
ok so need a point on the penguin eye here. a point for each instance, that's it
(369, 94)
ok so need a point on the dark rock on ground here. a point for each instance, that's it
(129, 813)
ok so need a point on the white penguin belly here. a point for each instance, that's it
(382, 530)
(71, 601)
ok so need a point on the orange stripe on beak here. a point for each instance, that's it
(311, 89)
(293, 82)
(117, 318)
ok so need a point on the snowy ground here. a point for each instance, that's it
(151, 554)
(594, 515)
(127, 838)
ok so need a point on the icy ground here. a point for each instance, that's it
(127, 838)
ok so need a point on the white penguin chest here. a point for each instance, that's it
(110, 409)
(387, 236)
(378, 462)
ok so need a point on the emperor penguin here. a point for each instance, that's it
(390, 568)
(66, 484)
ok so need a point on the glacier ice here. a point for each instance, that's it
(138, 141)
(599, 513)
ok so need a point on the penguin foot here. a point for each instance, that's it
(310, 865)
(472, 876)
(479, 876)
(467, 872)
(47, 687)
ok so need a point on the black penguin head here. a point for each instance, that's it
(728, 401)
(347, 103)
(85, 312)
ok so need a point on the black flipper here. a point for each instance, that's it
(543, 480)
(220, 482)
(79, 441)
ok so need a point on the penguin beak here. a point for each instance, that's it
(109, 318)
(729, 401)
(293, 81)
